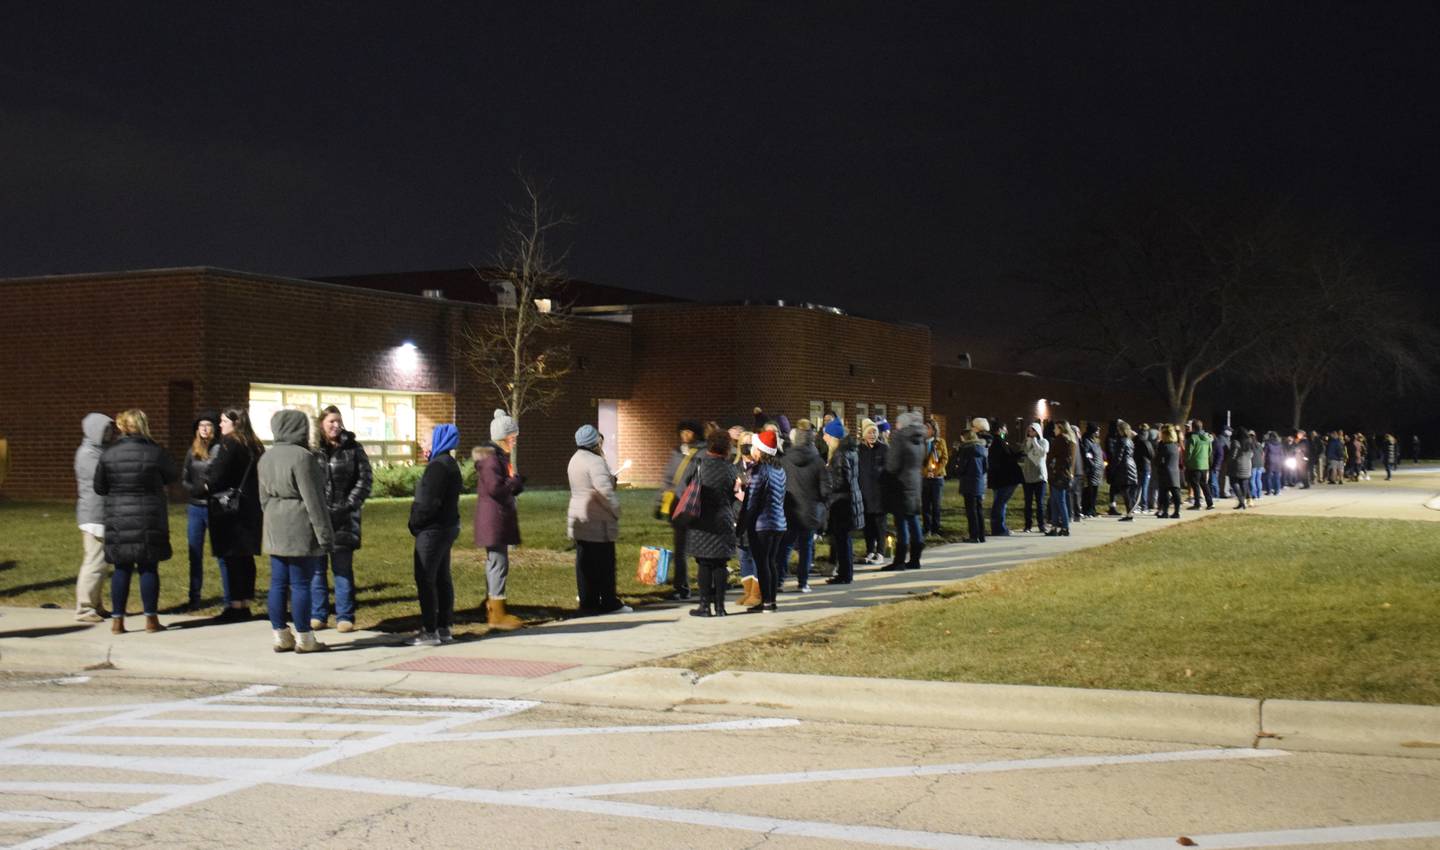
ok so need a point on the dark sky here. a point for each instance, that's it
(894, 158)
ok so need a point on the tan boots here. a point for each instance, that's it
(117, 625)
(751, 584)
(498, 618)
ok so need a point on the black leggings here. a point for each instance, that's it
(1169, 500)
(874, 533)
(595, 575)
(765, 548)
(1035, 492)
(975, 515)
(711, 575)
(432, 577)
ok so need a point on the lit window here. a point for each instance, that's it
(383, 422)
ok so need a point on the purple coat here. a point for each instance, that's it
(496, 522)
(1274, 457)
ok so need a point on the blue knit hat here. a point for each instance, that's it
(586, 436)
(882, 425)
(835, 429)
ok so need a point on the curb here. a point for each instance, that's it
(1352, 727)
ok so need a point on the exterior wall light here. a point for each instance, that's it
(406, 358)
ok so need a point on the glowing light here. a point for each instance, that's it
(1289, 463)
(406, 358)
(1042, 411)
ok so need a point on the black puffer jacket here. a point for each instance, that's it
(806, 488)
(1123, 470)
(843, 471)
(872, 468)
(132, 476)
(235, 535)
(192, 477)
(347, 485)
(902, 466)
(713, 534)
(1094, 458)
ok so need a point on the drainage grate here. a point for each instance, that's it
(483, 667)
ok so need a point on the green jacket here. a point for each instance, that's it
(1197, 450)
(292, 491)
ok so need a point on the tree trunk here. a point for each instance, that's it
(1297, 396)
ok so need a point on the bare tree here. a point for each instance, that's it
(521, 352)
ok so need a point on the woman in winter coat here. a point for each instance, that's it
(871, 454)
(974, 467)
(937, 462)
(711, 537)
(197, 512)
(806, 491)
(297, 527)
(435, 524)
(847, 502)
(1034, 471)
(132, 475)
(593, 522)
(1273, 457)
(497, 523)
(1238, 458)
(903, 464)
(1093, 456)
(99, 431)
(1257, 466)
(749, 578)
(1061, 462)
(348, 479)
(765, 515)
(1124, 474)
(1144, 443)
(1167, 472)
(235, 535)
(1005, 476)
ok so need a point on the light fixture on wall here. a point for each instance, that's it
(406, 358)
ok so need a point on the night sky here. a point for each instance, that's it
(894, 159)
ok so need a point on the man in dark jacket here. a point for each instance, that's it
(678, 472)
(903, 464)
(806, 494)
(1005, 476)
(435, 523)
(870, 456)
(1144, 460)
(348, 479)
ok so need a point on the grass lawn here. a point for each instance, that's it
(1277, 607)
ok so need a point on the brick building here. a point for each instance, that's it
(174, 341)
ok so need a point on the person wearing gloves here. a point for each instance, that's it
(497, 523)
(132, 475)
(99, 430)
(297, 528)
(593, 522)
(435, 523)
(197, 512)
(1034, 471)
(903, 463)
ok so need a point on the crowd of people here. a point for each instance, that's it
(752, 494)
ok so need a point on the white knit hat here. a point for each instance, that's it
(502, 426)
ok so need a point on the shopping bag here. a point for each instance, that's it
(662, 570)
(687, 509)
(647, 570)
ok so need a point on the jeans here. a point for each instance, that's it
(1060, 507)
(1035, 494)
(595, 575)
(765, 546)
(342, 563)
(932, 493)
(197, 521)
(292, 577)
(997, 509)
(975, 515)
(1255, 482)
(840, 549)
(1145, 498)
(800, 540)
(747, 562)
(909, 539)
(149, 588)
(432, 576)
(1273, 483)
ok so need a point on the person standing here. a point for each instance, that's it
(435, 524)
(1239, 453)
(974, 466)
(847, 502)
(197, 511)
(749, 576)
(1005, 476)
(1144, 443)
(871, 454)
(1093, 468)
(235, 534)
(98, 430)
(1273, 457)
(903, 463)
(711, 536)
(1197, 464)
(765, 516)
(806, 494)
(132, 475)
(1124, 473)
(1167, 473)
(497, 521)
(1061, 463)
(593, 522)
(678, 473)
(297, 528)
(1034, 470)
(1257, 466)
(1219, 462)
(1392, 455)
(937, 461)
(1414, 448)
(348, 479)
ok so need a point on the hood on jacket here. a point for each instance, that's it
(1035, 429)
(291, 426)
(914, 434)
(443, 439)
(910, 419)
(802, 456)
(94, 426)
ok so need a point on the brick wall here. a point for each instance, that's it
(961, 394)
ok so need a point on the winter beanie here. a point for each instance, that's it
(206, 416)
(833, 428)
(783, 423)
(766, 442)
(587, 436)
(502, 426)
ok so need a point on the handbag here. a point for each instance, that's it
(228, 501)
(687, 508)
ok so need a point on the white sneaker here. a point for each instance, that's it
(425, 639)
(623, 609)
(807, 589)
(284, 641)
(444, 636)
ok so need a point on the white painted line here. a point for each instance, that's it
(258, 725)
(212, 768)
(52, 817)
(309, 710)
(756, 780)
(181, 741)
(74, 709)
(575, 731)
(1281, 837)
(421, 702)
(90, 788)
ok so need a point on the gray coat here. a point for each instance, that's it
(90, 506)
(594, 513)
(903, 463)
(1240, 460)
(292, 491)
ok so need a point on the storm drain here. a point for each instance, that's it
(519, 669)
